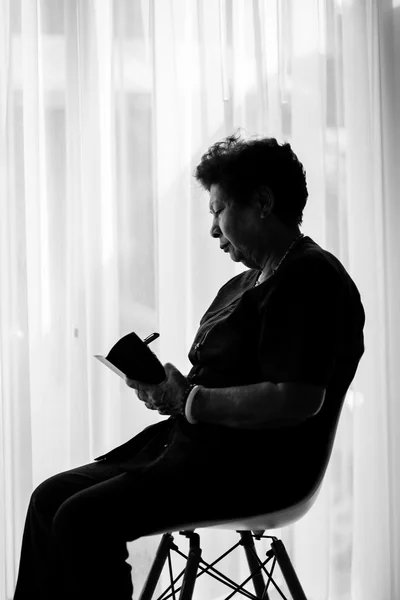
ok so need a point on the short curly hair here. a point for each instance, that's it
(242, 167)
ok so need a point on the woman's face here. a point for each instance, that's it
(241, 230)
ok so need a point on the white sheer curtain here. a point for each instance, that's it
(105, 109)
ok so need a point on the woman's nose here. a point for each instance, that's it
(215, 230)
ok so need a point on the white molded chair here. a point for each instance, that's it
(249, 529)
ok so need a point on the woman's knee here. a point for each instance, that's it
(78, 518)
(48, 496)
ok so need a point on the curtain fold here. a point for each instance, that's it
(365, 217)
(388, 14)
(105, 110)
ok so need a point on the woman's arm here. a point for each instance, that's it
(257, 406)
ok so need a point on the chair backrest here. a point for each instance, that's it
(285, 516)
(291, 514)
(330, 439)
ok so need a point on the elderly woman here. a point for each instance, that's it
(249, 426)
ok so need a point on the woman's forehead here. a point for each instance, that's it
(217, 195)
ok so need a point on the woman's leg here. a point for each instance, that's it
(44, 503)
(91, 528)
(90, 513)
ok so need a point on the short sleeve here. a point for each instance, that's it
(301, 321)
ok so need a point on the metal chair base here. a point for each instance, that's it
(195, 567)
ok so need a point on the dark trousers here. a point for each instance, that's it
(79, 521)
(77, 526)
(73, 544)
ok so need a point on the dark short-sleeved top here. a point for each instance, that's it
(302, 324)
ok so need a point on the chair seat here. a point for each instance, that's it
(272, 520)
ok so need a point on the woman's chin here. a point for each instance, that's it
(234, 254)
(237, 256)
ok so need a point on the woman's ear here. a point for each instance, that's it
(265, 199)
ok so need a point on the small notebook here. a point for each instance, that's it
(131, 357)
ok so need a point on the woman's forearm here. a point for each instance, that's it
(255, 406)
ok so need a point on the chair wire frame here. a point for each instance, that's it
(196, 566)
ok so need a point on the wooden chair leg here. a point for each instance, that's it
(288, 571)
(156, 568)
(192, 565)
(258, 579)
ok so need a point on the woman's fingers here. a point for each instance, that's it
(132, 383)
(142, 396)
(150, 406)
(151, 395)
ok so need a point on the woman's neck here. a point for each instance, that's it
(283, 248)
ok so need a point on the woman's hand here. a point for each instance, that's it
(165, 397)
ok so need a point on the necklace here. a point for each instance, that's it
(282, 259)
